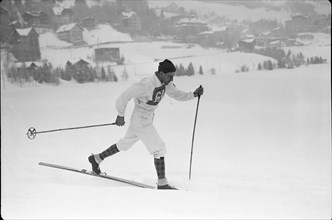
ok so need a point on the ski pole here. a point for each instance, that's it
(32, 131)
(193, 137)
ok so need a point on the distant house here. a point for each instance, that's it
(214, 37)
(131, 20)
(88, 22)
(221, 33)
(298, 23)
(301, 23)
(274, 42)
(71, 33)
(247, 44)
(322, 22)
(107, 55)
(29, 65)
(28, 47)
(37, 18)
(81, 65)
(190, 27)
(63, 16)
(207, 38)
(77, 65)
(177, 17)
(19, 24)
(4, 25)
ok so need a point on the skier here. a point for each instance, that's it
(147, 94)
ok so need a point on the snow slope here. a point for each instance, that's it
(262, 150)
(102, 33)
(239, 12)
(142, 58)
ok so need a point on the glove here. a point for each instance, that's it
(199, 91)
(119, 121)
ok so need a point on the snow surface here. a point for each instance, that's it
(104, 33)
(262, 150)
(49, 40)
(262, 146)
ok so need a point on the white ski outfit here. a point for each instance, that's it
(147, 94)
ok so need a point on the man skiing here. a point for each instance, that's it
(147, 94)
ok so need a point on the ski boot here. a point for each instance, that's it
(94, 163)
(96, 159)
(166, 187)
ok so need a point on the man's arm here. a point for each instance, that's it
(134, 90)
(177, 94)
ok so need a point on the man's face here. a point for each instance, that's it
(168, 77)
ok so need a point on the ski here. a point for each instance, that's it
(104, 176)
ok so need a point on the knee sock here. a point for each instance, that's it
(109, 152)
(159, 163)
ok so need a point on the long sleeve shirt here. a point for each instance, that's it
(147, 94)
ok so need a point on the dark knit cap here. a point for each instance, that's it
(166, 66)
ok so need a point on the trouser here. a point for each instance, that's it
(141, 128)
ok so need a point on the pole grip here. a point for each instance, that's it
(199, 96)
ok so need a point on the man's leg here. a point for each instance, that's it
(123, 144)
(156, 147)
(96, 159)
(159, 164)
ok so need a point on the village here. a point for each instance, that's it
(22, 27)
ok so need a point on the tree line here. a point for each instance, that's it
(284, 60)
(189, 71)
(46, 73)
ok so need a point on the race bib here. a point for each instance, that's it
(158, 94)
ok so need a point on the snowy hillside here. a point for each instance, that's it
(104, 33)
(141, 58)
(238, 11)
(262, 150)
(100, 34)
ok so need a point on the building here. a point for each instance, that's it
(88, 22)
(72, 33)
(220, 32)
(322, 23)
(298, 23)
(4, 25)
(77, 64)
(28, 47)
(81, 65)
(131, 21)
(190, 27)
(37, 18)
(63, 16)
(107, 55)
(274, 42)
(301, 23)
(247, 44)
